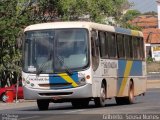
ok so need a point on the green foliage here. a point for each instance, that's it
(15, 15)
(96, 11)
(128, 16)
(150, 59)
(11, 23)
(131, 14)
(151, 13)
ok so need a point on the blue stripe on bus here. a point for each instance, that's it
(122, 30)
(55, 78)
(121, 67)
(136, 69)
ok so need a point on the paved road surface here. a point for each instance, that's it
(145, 107)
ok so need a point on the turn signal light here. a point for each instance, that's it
(88, 77)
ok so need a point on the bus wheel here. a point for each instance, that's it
(80, 103)
(100, 101)
(43, 104)
(130, 98)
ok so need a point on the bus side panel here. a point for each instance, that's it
(107, 71)
(111, 87)
(130, 70)
(139, 85)
(96, 85)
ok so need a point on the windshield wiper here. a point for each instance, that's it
(44, 66)
(68, 71)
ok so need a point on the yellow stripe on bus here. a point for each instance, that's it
(125, 77)
(68, 79)
(134, 32)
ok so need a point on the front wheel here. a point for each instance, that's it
(80, 103)
(100, 101)
(43, 104)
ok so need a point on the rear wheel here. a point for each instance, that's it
(43, 104)
(100, 101)
(129, 99)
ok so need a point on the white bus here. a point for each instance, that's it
(82, 61)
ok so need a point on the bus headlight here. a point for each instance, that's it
(81, 81)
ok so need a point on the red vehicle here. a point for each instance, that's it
(13, 87)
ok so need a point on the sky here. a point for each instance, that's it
(144, 5)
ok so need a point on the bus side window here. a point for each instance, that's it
(136, 47)
(142, 48)
(120, 46)
(112, 48)
(103, 45)
(128, 47)
(95, 52)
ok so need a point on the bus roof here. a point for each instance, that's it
(79, 24)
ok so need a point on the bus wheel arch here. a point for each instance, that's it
(130, 98)
(100, 101)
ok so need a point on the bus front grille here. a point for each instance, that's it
(55, 85)
(55, 93)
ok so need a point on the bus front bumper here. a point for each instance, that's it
(71, 93)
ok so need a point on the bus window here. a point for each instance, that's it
(141, 48)
(135, 47)
(103, 45)
(128, 47)
(112, 45)
(120, 46)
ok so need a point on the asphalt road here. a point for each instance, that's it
(147, 107)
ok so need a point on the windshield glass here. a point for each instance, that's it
(51, 51)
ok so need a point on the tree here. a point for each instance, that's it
(11, 23)
(128, 16)
(151, 13)
(97, 11)
(16, 14)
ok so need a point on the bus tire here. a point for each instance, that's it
(80, 103)
(129, 99)
(100, 101)
(43, 104)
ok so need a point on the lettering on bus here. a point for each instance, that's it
(109, 64)
(38, 79)
(109, 67)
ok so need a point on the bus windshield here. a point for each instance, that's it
(53, 51)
